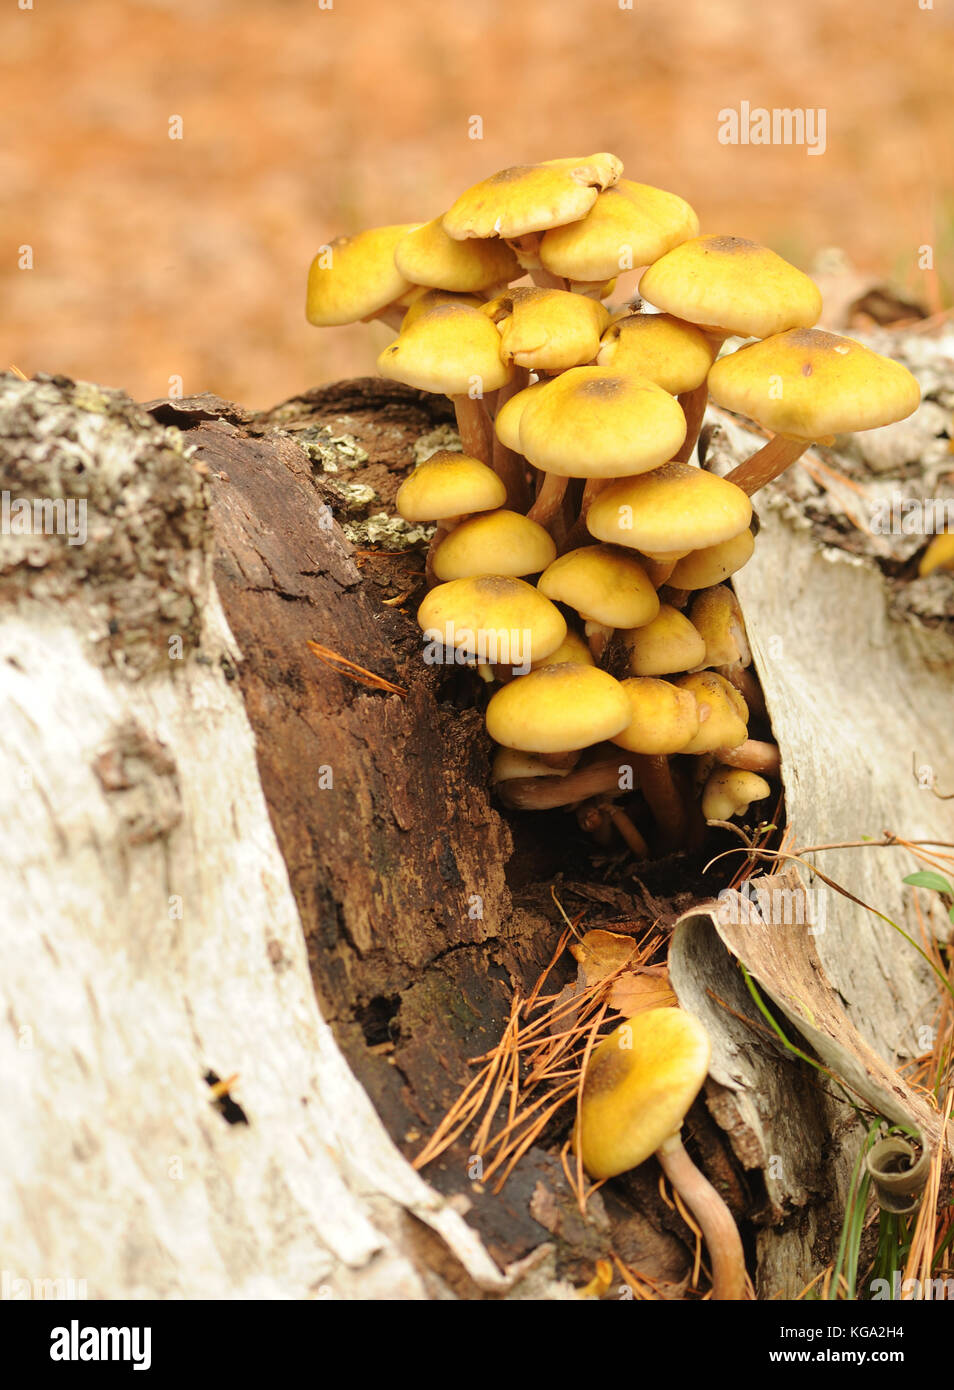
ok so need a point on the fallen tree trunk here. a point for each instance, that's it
(211, 829)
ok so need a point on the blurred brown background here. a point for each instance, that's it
(157, 258)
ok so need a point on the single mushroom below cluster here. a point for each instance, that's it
(638, 1087)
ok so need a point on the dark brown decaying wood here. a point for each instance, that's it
(381, 804)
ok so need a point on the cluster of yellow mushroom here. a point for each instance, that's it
(579, 558)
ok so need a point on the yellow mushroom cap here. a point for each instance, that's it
(938, 556)
(572, 648)
(700, 569)
(428, 256)
(499, 620)
(547, 330)
(807, 384)
(451, 348)
(663, 718)
(511, 763)
(723, 714)
(592, 422)
(604, 585)
(531, 197)
(507, 419)
(420, 300)
(664, 646)
(734, 285)
(629, 225)
(354, 276)
(676, 507)
(639, 1084)
(673, 354)
(729, 791)
(449, 484)
(716, 615)
(500, 542)
(558, 709)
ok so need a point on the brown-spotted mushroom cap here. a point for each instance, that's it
(639, 1084)
(723, 714)
(663, 718)
(490, 617)
(547, 330)
(629, 225)
(673, 354)
(673, 508)
(592, 422)
(807, 384)
(354, 277)
(729, 791)
(558, 709)
(732, 286)
(500, 542)
(664, 646)
(428, 256)
(531, 197)
(449, 484)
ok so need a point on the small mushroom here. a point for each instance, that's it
(557, 709)
(493, 619)
(700, 569)
(606, 586)
(499, 542)
(629, 225)
(729, 791)
(445, 488)
(354, 278)
(638, 1087)
(674, 354)
(455, 349)
(663, 720)
(729, 285)
(808, 385)
(664, 646)
(673, 508)
(426, 255)
(723, 714)
(596, 424)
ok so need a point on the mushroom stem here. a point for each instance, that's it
(627, 830)
(715, 1220)
(694, 408)
(509, 466)
(549, 500)
(392, 315)
(662, 795)
(536, 793)
(752, 755)
(598, 636)
(767, 463)
(473, 425)
(545, 280)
